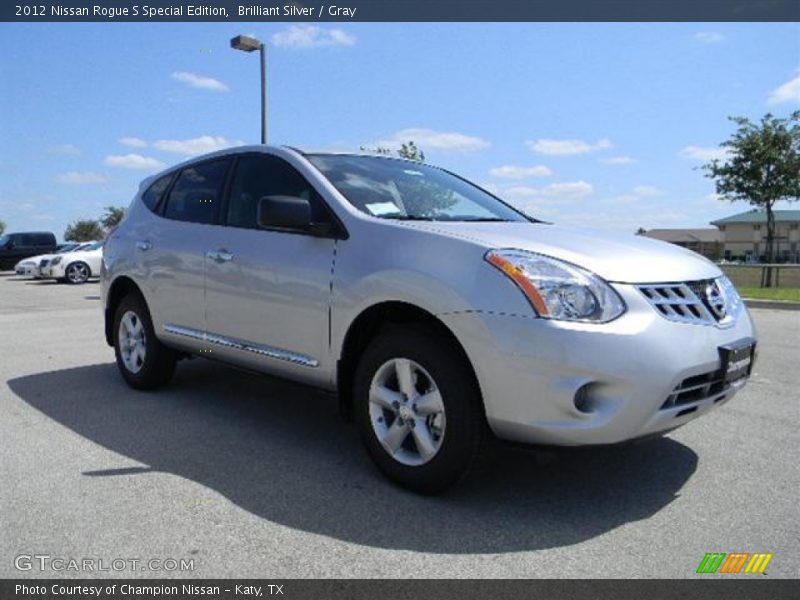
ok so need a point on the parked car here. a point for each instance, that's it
(17, 246)
(44, 260)
(74, 267)
(440, 314)
(30, 266)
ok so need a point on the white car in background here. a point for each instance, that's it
(74, 267)
(30, 265)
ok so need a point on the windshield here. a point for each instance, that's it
(91, 246)
(399, 189)
(4, 240)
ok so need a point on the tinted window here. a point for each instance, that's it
(155, 191)
(259, 176)
(196, 192)
(26, 240)
(44, 239)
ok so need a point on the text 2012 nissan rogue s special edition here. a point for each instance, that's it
(440, 314)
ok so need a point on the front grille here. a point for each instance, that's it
(704, 302)
(696, 389)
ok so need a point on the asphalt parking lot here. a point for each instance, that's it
(255, 477)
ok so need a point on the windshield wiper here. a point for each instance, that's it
(481, 220)
(407, 218)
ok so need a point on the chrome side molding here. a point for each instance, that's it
(221, 340)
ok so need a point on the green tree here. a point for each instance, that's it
(408, 150)
(762, 167)
(112, 216)
(84, 230)
(411, 152)
(2, 227)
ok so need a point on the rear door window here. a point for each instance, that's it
(196, 195)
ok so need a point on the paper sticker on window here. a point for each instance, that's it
(383, 208)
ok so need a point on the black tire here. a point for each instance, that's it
(159, 361)
(77, 273)
(465, 429)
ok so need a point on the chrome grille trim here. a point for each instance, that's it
(220, 340)
(685, 302)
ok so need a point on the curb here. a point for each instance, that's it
(772, 304)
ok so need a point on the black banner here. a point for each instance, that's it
(739, 587)
(401, 10)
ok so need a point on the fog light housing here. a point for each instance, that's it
(583, 401)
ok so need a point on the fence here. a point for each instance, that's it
(753, 276)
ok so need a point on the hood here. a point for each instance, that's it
(617, 258)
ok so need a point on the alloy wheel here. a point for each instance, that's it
(132, 341)
(78, 273)
(407, 412)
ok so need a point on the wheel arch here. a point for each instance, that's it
(120, 287)
(369, 323)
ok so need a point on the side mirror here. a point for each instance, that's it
(286, 212)
(292, 212)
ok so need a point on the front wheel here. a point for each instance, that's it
(77, 273)
(144, 362)
(419, 409)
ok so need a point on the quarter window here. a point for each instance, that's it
(259, 176)
(196, 193)
(153, 194)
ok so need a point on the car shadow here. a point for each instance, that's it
(280, 451)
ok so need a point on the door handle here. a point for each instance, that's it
(219, 256)
(144, 245)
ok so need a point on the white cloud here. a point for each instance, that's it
(311, 36)
(81, 177)
(513, 172)
(636, 194)
(647, 190)
(194, 146)
(133, 142)
(709, 37)
(566, 147)
(618, 160)
(200, 81)
(428, 139)
(134, 161)
(788, 92)
(703, 153)
(64, 149)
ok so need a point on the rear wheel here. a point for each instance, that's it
(419, 409)
(77, 273)
(144, 362)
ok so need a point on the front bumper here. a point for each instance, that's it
(531, 369)
(52, 272)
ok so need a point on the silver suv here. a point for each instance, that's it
(440, 314)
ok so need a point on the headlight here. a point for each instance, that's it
(56, 260)
(731, 296)
(557, 289)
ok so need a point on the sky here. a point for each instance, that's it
(590, 125)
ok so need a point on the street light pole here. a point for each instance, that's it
(247, 43)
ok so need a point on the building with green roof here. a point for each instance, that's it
(744, 235)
